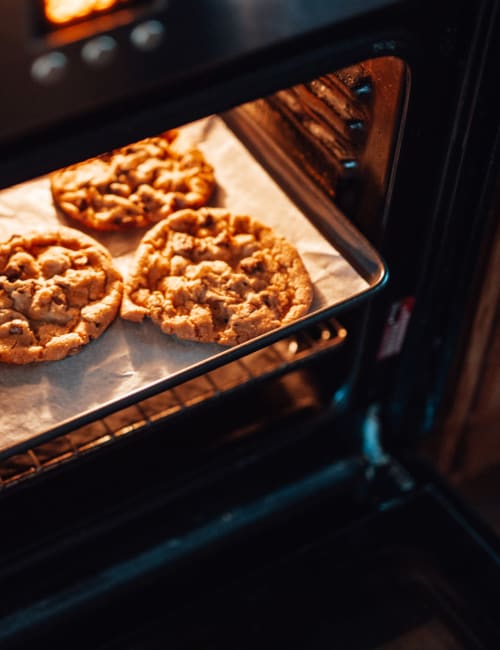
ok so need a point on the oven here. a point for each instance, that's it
(157, 492)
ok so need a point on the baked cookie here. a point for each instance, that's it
(134, 186)
(208, 275)
(58, 291)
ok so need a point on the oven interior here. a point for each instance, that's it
(329, 145)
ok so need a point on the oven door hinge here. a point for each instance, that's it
(384, 472)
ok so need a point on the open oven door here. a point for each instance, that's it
(416, 575)
(294, 548)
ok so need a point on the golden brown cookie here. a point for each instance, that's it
(58, 291)
(208, 275)
(134, 186)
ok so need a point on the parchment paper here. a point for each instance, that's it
(129, 357)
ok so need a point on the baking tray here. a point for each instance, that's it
(132, 361)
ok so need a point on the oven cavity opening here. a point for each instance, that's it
(313, 162)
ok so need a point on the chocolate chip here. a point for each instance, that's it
(253, 266)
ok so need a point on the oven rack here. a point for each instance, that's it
(277, 359)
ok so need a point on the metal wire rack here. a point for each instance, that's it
(278, 358)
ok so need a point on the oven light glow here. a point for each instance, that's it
(65, 11)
